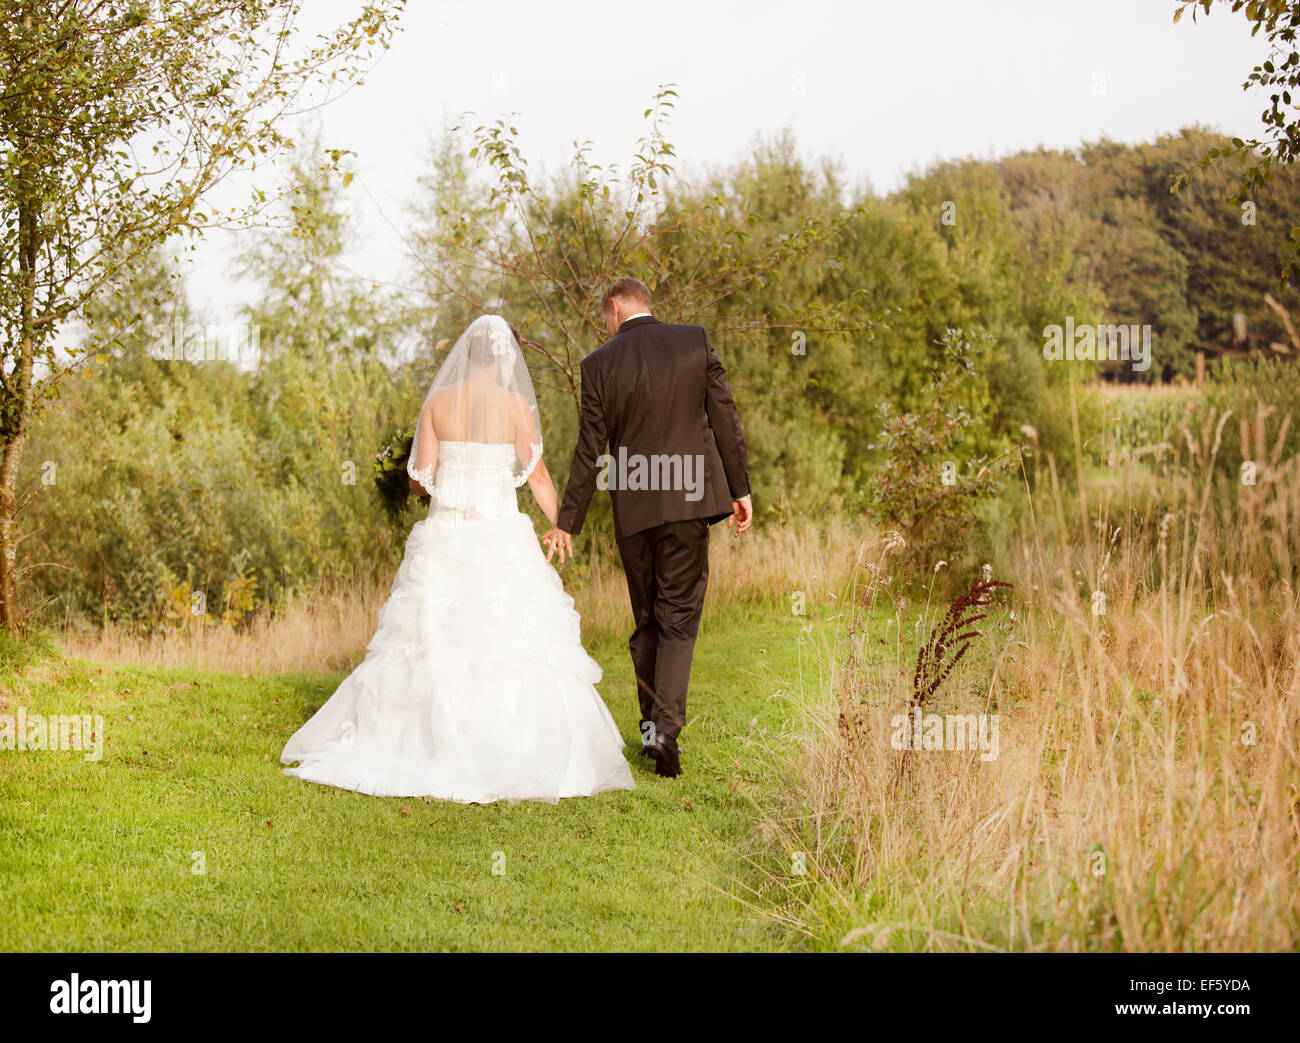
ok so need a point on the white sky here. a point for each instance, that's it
(887, 88)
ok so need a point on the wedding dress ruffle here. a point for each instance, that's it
(475, 686)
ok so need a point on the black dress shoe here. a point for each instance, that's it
(667, 760)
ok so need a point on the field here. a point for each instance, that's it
(1143, 791)
(185, 836)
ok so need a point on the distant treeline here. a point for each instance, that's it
(159, 483)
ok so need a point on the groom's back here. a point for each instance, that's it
(653, 378)
(657, 384)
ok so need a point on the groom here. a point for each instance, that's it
(657, 395)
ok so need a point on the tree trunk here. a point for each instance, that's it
(16, 409)
(10, 615)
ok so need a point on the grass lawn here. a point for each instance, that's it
(102, 856)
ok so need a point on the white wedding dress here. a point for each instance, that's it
(475, 686)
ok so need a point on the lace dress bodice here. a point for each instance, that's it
(474, 481)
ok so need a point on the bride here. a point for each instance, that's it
(475, 686)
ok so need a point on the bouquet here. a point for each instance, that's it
(390, 472)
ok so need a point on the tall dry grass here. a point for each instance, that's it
(1146, 795)
(327, 630)
(318, 631)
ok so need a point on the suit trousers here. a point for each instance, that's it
(667, 569)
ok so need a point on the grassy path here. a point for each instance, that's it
(102, 855)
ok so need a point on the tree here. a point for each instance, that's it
(211, 480)
(1279, 20)
(116, 120)
(551, 250)
(310, 305)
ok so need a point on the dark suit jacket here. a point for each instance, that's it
(656, 393)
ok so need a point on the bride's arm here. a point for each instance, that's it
(544, 491)
(424, 455)
(522, 433)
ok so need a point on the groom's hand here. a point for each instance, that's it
(558, 542)
(742, 515)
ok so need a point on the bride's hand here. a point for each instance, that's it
(557, 541)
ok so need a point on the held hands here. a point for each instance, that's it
(742, 515)
(560, 543)
(557, 541)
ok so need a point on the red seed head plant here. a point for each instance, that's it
(947, 645)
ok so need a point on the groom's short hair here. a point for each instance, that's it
(626, 287)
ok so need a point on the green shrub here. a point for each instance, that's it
(922, 489)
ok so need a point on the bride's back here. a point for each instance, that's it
(473, 410)
(481, 397)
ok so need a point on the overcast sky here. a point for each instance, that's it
(886, 88)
